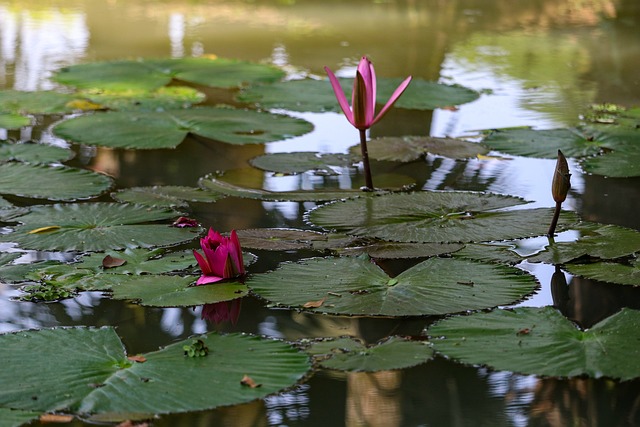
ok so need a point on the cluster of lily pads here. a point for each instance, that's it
(464, 244)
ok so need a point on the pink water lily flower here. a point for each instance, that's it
(222, 257)
(361, 114)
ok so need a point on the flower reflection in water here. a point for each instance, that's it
(225, 311)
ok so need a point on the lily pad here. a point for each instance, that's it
(96, 227)
(444, 217)
(152, 74)
(410, 148)
(167, 129)
(624, 274)
(546, 143)
(350, 354)
(139, 261)
(86, 371)
(624, 162)
(13, 121)
(604, 241)
(293, 163)
(502, 254)
(394, 250)
(174, 291)
(541, 341)
(43, 102)
(30, 152)
(51, 182)
(356, 286)
(425, 95)
(279, 239)
(169, 196)
(163, 98)
(16, 418)
(217, 186)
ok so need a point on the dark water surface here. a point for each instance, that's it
(538, 63)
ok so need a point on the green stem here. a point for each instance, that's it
(365, 160)
(554, 221)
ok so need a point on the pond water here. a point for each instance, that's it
(537, 63)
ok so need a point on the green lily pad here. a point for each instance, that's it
(602, 241)
(152, 74)
(425, 95)
(502, 254)
(86, 371)
(546, 143)
(541, 341)
(42, 102)
(167, 129)
(317, 95)
(167, 98)
(16, 418)
(30, 152)
(51, 182)
(410, 148)
(279, 239)
(212, 183)
(356, 286)
(435, 217)
(293, 163)
(624, 162)
(352, 355)
(96, 227)
(174, 291)
(11, 272)
(169, 196)
(13, 121)
(623, 274)
(394, 250)
(139, 261)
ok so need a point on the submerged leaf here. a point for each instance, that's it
(410, 148)
(293, 163)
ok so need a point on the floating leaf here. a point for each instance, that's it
(293, 163)
(317, 96)
(42, 102)
(49, 182)
(174, 291)
(168, 128)
(34, 153)
(279, 239)
(541, 341)
(163, 98)
(381, 249)
(152, 74)
(16, 418)
(434, 217)
(356, 286)
(13, 121)
(603, 241)
(97, 227)
(169, 196)
(410, 148)
(112, 262)
(621, 163)
(546, 143)
(350, 354)
(489, 253)
(608, 272)
(212, 183)
(85, 370)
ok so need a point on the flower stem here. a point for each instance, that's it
(554, 221)
(365, 160)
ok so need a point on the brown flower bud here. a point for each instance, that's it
(561, 179)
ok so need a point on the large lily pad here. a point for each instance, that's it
(167, 129)
(292, 163)
(165, 196)
(44, 102)
(16, 418)
(49, 182)
(542, 341)
(624, 274)
(152, 74)
(546, 143)
(356, 286)
(391, 250)
(86, 370)
(435, 217)
(29, 152)
(217, 186)
(317, 95)
(410, 148)
(96, 227)
(174, 291)
(163, 98)
(350, 354)
(279, 239)
(624, 162)
(13, 121)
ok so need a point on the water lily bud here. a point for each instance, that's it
(561, 179)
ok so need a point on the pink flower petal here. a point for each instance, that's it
(205, 279)
(340, 96)
(394, 97)
(202, 262)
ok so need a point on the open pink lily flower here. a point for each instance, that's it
(361, 113)
(222, 257)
